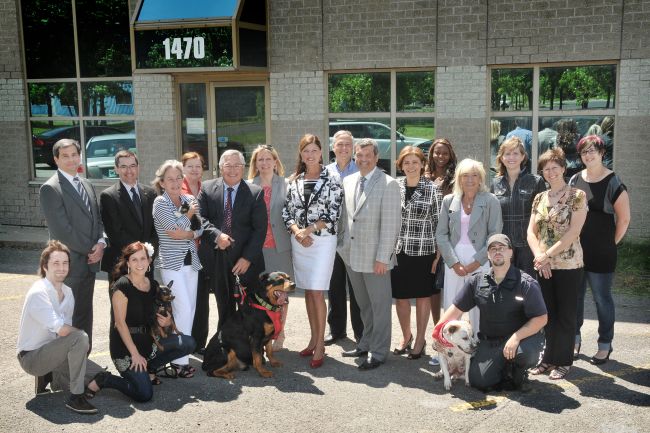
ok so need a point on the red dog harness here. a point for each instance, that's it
(274, 314)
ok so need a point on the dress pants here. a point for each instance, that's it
(200, 327)
(560, 294)
(375, 298)
(83, 288)
(184, 303)
(338, 305)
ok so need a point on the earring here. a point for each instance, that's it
(149, 268)
(128, 269)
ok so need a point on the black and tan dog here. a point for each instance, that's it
(247, 334)
(163, 306)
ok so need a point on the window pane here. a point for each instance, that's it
(53, 99)
(44, 134)
(107, 98)
(350, 93)
(154, 10)
(252, 47)
(184, 48)
(416, 91)
(103, 140)
(103, 35)
(49, 38)
(512, 89)
(577, 87)
(194, 120)
(565, 132)
(503, 128)
(377, 128)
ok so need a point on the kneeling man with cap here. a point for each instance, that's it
(513, 314)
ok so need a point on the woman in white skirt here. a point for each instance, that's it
(469, 216)
(311, 212)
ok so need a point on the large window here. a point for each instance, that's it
(396, 108)
(88, 98)
(554, 106)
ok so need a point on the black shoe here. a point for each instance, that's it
(370, 364)
(41, 382)
(600, 361)
(200, 352)
(331, 339)
(100, 380)
(406, 348)
(414, 355)
(79, 404)
(354, 353)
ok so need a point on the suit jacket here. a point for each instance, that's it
(249, 223)
(278, 196)
(484, 221)
(69, 221)
(419, 218)
(369, 229)
(121, 222)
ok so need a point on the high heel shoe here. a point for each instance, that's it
(317, 363)
(306, 352)
(413, 355)
(406, 348)
(601, 361)
(576, 350)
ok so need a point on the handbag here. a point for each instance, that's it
(439, 279)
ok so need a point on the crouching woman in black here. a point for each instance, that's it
(132, 347)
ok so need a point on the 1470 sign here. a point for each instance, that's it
(185, 47)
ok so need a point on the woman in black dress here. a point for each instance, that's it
(413, 277)
(132, 347)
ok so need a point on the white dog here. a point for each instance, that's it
(454, 361)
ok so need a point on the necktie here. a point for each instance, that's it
(227, 220)
(362, 184)
(137, 203)
(82, 192)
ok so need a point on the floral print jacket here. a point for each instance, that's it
(324, 203)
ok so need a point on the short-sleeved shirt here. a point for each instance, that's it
(139, 314)
(554, 221)
(504, 307)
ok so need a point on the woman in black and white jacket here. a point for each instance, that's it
(413, 277)
(177, 227)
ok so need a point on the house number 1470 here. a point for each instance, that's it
(182, 48)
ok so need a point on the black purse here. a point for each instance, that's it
(439, 280)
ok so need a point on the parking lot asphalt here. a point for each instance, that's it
(401, 395)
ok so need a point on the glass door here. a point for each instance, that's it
(241, 119)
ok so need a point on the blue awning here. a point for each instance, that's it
(171, 10)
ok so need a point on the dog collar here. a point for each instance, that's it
(265, 304)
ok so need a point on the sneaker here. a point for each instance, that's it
(41, 382)
(434, 361)
(79, 404)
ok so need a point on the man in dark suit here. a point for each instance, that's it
(69, 204)
(232, 241)
(126, 209)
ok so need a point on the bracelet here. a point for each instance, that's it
(315, 227)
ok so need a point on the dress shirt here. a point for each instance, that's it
(349, 169)
(128, 188)
(225, 194)
(43, 315)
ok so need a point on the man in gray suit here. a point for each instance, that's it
(370, 225)
(69, 204)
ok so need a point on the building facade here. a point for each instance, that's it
(143, 75)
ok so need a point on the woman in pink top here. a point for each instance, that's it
(267, 171)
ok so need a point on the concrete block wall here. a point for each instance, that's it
(297, 107)
(636, 37)
(378, 33)
(462, 28)
(155, 121)
(295, 35)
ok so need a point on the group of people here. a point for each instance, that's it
(438, 232)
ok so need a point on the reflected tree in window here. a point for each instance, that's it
(512, 89)
(96, 95)
(415, 91)
(47, 93)
(359, 93)
(580, 87)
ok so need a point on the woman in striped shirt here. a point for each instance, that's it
(178, 222)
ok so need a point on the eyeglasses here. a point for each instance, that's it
(589, 151)
(229, 166)
(497, 249)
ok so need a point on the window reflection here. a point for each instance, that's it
(416, 91)
(368, 92)
(194, 117)
(512, 89)
(107, 98)
(53, 99)
(577, 87)
(502, 128)
(44, 134)
(103, 140)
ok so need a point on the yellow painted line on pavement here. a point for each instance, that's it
(566, 384)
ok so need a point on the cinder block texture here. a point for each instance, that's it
(18, 205)
(10, 64)
(468, 136)
(636, 37)
(524, 31)
(378, 33)
(461, 92)
(12, 100)
(634, 89)
(461, 32)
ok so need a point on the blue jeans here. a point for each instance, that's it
(601, 289)
(136, 384)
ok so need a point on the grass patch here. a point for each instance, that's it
(633, 269)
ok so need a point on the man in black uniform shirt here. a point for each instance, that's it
(513, 314)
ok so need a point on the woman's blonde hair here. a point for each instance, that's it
(468, 165)
(253, 171)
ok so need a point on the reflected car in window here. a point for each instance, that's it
(42, 144)
(100, 154)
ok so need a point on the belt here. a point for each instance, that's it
(138, 330)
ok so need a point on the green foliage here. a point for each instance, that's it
(415, 91)
(633, 268)
(581, 83)
(350, 93)
(512, 89)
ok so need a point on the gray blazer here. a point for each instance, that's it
(69, 221)
(368, 230)
(278, 197)
(484, 221)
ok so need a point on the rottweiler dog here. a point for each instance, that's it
(163, 306)
(247, 334)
